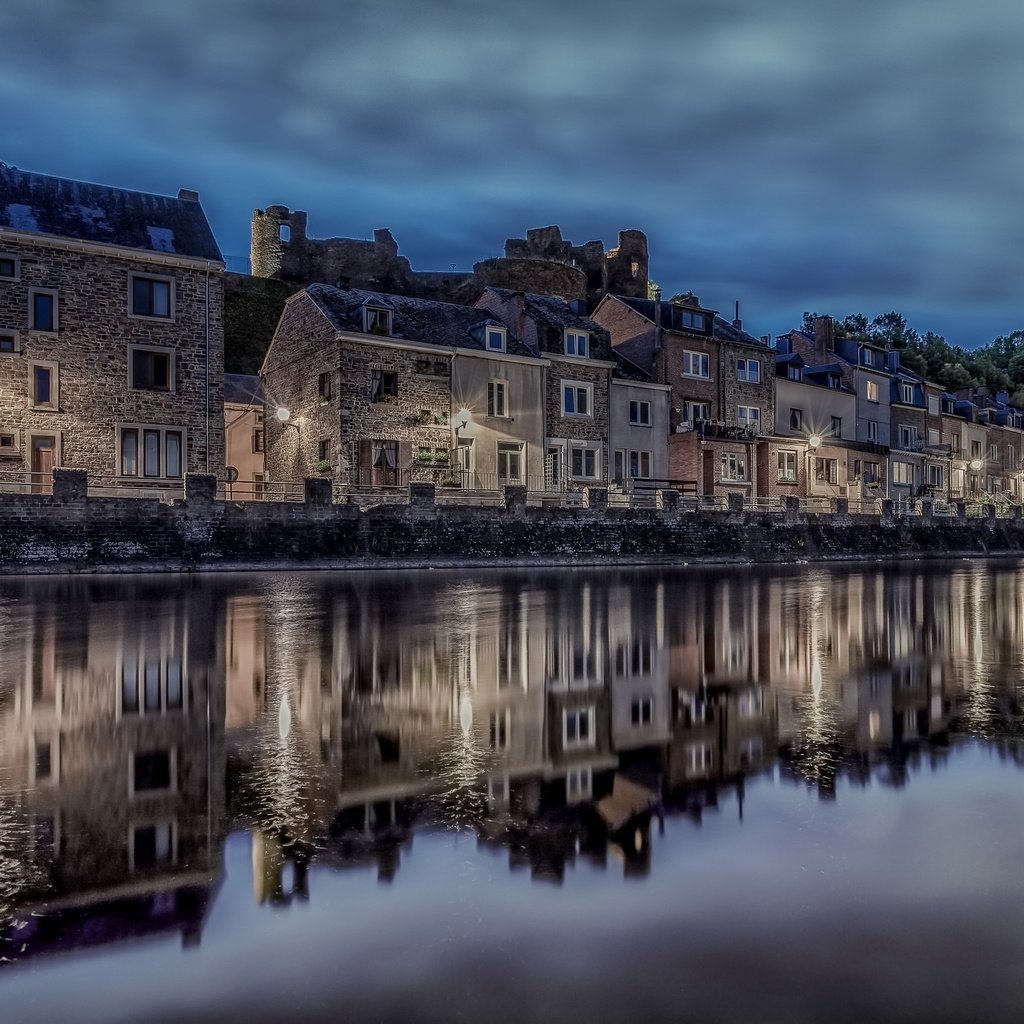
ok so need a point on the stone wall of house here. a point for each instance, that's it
(739, 392)
(577, 428)
(63, 533)
(694, 389)
(91, 354)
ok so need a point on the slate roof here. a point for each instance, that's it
(626, 369)
(418, 320)
(724, 331)
(550, 309)
(101, 213)
(243, 389)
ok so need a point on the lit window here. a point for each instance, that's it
(696, 364)
(902, 473)
(871, 390)
(748, 370)
(152, 296)
(576, 343)
(497, 404)
(640, 414)
(787, 467)
(734, 466)
(577, 398)
(496, 339)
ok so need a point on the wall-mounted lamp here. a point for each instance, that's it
(814, 441)
(976, 464)
(460, 420)
(284, 416)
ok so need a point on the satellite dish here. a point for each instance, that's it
(231, 474)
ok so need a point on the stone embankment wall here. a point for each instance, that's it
(69, 532)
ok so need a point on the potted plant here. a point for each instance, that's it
(323, 466)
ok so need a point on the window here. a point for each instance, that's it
(42, 304)
(833, 381)
(579, 783)
(152, 846)
(640, 465)
(933, 436)
(496, 400)
(748, 417)
(496, 339)
(1011, 456)
(749, 370)
(751, 703)
(935, 475)
(837, 426)
(384, 386)
(826, 471)
(796, 419)
(9, 267)
(640, 414)
(869, 357)
(257, 440)
(499, 730)
(907, 437)
(975, 449)
(871, 390)
(696, 364)
(902, 473)
(153, 452)
(794, 372)
(8, 443)
(44, 385)
(583, 463)
(642, 710)
(152, 369)
(153, 771)
(323, 451)
(576, 343)
(578, 727)
(377, 320)
(699, 757)
(734, 466)
(510, 462)
(695, 321)
(787, 467)
(993, 452)
(954, 443)
(933, 405)
(323, 388)
(872, 430)
(694, 412)
(619, 464)
(152, 296)
(151, 684)
(577, 398)
(906, 393)
(871, 472)
(9, 343)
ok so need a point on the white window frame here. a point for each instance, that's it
(936, 475)
(172, 375)
(871, 430)
(579, 783)
(700, 757)
(643, 460)
(510, 448)
(16, 337)
(492, 334)
(902, 473)
(784, 475)
(16, 276)
(576, 741)
(639, 413)
(164, 429)
(153, 317)
(595, 448)
(371, 313)
(748, 370)
(906, 393)
(690, 406)
(497, 389)
(826, 470)
(702, 361)
(734, 467)
(745, 420)
(641, 711)
(53, 293)
(933, 405)
(907, 436)
(576, 343)
(577, 386)
(871, 390)
(138, 663)
(796, 418)
(53, 405)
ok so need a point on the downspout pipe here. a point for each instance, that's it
(207, 368)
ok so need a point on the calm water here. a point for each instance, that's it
(527, 796)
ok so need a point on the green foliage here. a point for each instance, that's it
(653, 289)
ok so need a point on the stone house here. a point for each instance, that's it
(721, 382)
(243, 436)
(380, 390)
(579, 364)
(938, 456)
(908, 433)
(111, 339)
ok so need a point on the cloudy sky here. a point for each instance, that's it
(799, 154)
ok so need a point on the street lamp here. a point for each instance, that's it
(284, 416)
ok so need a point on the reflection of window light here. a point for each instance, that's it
(498, 790)
(578, 727)
(642, 710)
(874, 724)
(579, 783)
(699, 757)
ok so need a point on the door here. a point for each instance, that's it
(465, 464)
(44, 458)
(553, 480)
(384, 465)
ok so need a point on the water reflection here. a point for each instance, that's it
(556, 716)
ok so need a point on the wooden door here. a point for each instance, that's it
(44, 458)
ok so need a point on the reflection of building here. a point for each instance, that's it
(112, 750)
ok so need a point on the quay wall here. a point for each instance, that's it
(71, 532)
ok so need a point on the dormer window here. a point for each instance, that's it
(377, 320)
(577, 343)
(906, 393)
(794, 373)
(496, 339)
(869, 357)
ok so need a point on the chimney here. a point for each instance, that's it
(823, 333)
(737, 322)
(188, 195)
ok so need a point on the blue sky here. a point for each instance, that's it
(796, 155)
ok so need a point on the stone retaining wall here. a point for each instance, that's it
(69, 532)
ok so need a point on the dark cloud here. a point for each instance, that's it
(796, 154)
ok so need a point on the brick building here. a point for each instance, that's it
(111, 338)
(722, 386)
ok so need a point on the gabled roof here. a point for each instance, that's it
(418, 320)
(723, 330)
(626, 369)
(550, 309)
(790, 359)
(81, 210)
(243, 389)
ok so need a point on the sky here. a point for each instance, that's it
(795, 155)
